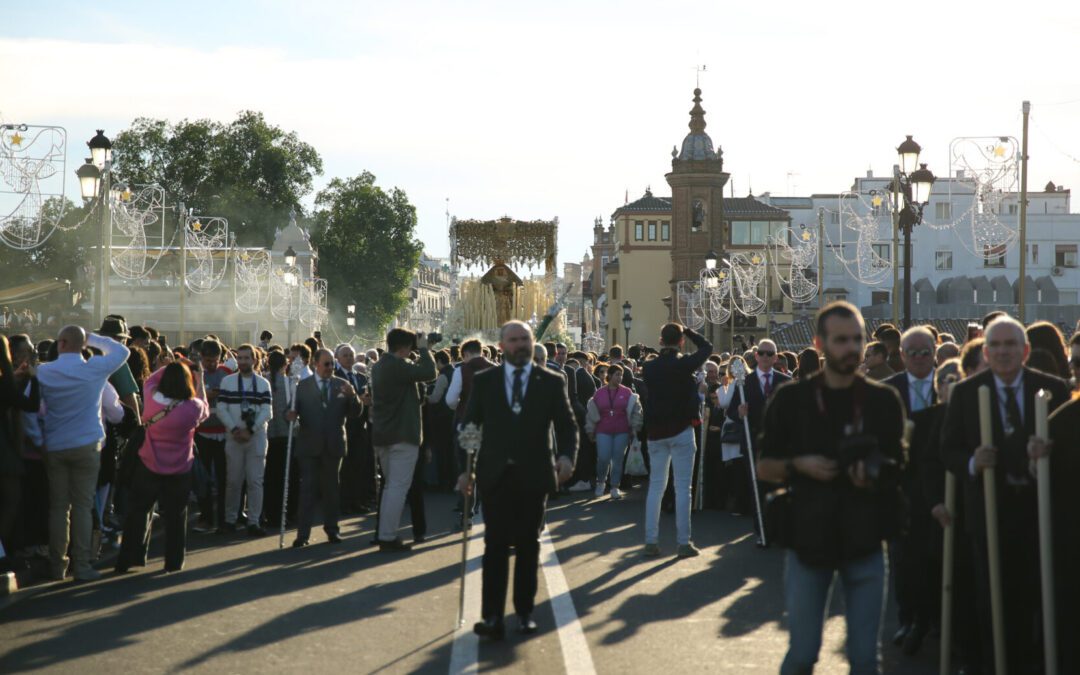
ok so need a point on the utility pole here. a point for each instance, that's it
(820, 257)
(1023, 210)
(182, 224)
(232, 306)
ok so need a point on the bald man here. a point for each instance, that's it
(1012, 410)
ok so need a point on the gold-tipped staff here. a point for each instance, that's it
(993, 552)
(1046, 541)
(699, 492)
(737, 369)
(470, 438)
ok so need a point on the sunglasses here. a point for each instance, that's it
(919, 352)
(761, 353)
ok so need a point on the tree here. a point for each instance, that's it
(249, 171)
(367, 249)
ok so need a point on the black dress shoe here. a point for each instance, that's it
(901, 633)
(394, 545)
(914, 639)
(419, 539)
(490, 628)
(334, 538)
(526, 625)
(300, 543)
(256, 530)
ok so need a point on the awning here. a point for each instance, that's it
(31, 291)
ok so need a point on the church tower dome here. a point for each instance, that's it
(697, 145)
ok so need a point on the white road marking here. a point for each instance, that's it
(465, 653)
(575, 648)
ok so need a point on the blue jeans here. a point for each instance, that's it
(609, 455)
(807, 590)
(677, 451)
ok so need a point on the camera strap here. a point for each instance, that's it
(856, 401)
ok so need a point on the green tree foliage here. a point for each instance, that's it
(62, 254)
(367, 248)
(249, 171)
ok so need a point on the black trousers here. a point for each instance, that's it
(319, 477)
(513, 516)
(352, 468)
(171, 493)
(274, 481)
(32, 528)
(212, 456)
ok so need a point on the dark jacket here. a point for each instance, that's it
(671, 398)
(396, 393)
(755, 397)
(834, 522)
(322, 423)
(525, 438)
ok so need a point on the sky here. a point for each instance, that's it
(561, 109)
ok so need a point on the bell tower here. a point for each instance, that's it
(697, 181)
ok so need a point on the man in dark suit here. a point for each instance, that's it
(915, 576)
(356, 493)
(760, 384)
(1012, 409)
(516, 406)
(323, 402)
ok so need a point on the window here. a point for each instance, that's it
(740, 233)
(665, 230)
(1065, 255)
(943, 211)
(652, 230)
(754, 232)
(994, 256)
(943, 260)
(639, 230)
(1034, 254)
(603, 272)
(1013, 209)
(834, 217)
(882, 254)
(879, 298)
(614, 289)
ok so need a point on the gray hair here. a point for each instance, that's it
(1006, 320)
(917, 331)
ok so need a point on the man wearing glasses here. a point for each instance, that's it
(916, 587)
(760, 385)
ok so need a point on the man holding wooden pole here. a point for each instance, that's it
(987, 445)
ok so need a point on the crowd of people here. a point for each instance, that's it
(829, 452)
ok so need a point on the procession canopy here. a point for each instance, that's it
(519, 243)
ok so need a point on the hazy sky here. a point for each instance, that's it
(559, 108)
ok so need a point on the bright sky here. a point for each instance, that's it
(558, 108)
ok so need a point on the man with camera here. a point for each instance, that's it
(396, 396)
(835, 440)
(244, 407)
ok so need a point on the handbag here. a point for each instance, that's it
(129, 456)
(635, 461)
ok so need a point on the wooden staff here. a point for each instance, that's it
(737, 369)
(1046, 541)
(993, 551)
(699, 497)
(470, 439)
(945, 665)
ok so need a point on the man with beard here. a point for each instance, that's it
(516, 405)
(834, 438)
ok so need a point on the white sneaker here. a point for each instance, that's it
(615, 494)
(580, 486)
(599, 491)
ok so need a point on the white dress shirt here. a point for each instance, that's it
(508, 378)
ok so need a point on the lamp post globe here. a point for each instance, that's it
(922, 181)
(710, 260)
(100, 149)
(290, 257)
(909, 155)
(89, 179)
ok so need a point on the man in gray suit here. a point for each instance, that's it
(323, 402)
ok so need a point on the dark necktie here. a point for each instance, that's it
(516, 393)
(1012, 411)
(326, 391)
(768, 384)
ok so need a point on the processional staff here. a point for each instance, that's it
(737, 369)
(992, 543)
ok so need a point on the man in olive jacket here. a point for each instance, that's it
(395, 424)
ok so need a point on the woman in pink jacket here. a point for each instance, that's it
(613, 415)
(174, 404)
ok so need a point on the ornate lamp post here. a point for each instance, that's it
(350, 320)
(626, 321)
(94, 183)
(911, 188)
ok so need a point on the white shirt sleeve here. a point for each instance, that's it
(111, 410)
(453, 392)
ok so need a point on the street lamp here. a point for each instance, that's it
(89, 179)
(626, 321)
(100, 149)
(710, 260)
(911, 189)
(94, 178)
(290, 257)
(350, 320)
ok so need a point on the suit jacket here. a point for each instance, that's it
(755, 397)
(322, 423)
(960, 433)
(524, 438)
(920, 440)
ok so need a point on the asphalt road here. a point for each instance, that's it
(243, 606)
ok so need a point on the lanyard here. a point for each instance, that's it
(240, 387)
(611, 401)
(856, 395)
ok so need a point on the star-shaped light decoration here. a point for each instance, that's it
(876, 201)
(16, 139)
(197, 226)
(999, 150)
(806, 236)
(756, 259)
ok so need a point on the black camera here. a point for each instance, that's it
(863, 448)
(248, 418)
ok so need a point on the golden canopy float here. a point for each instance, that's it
(498, 246)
